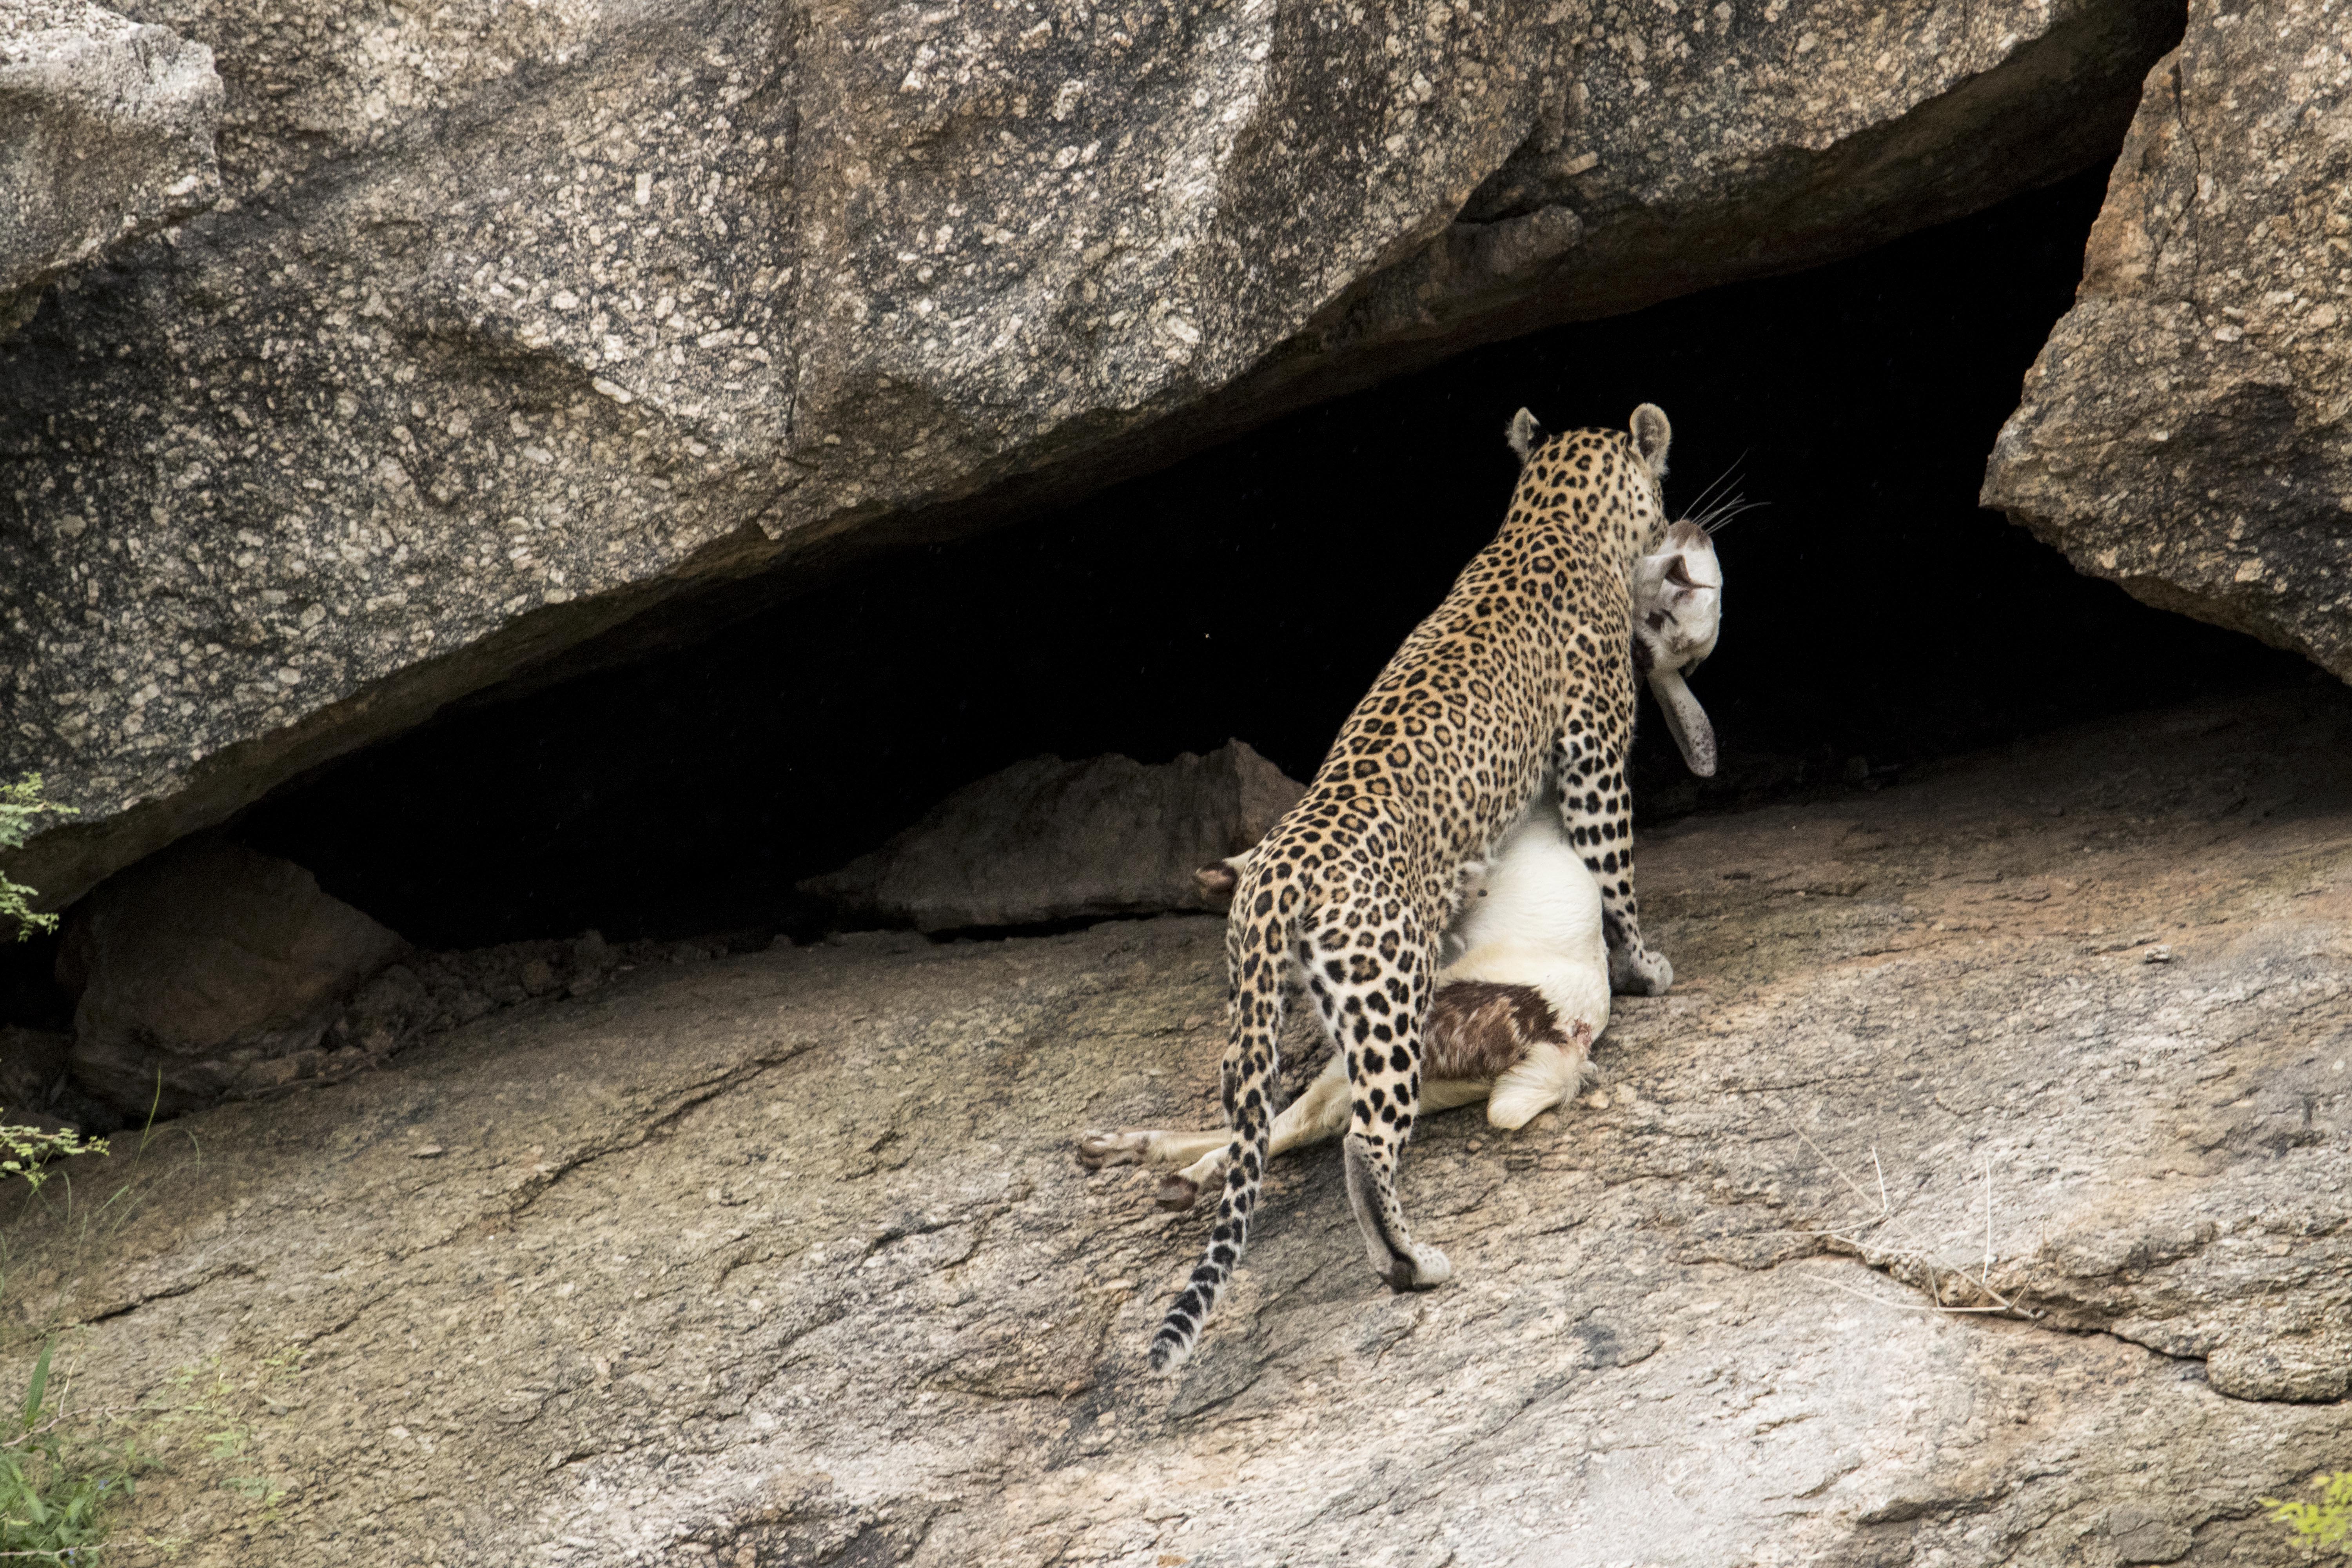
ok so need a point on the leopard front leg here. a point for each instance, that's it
(1372, 989)
(1596, 806)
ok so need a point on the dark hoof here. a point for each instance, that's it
(1177, 1196)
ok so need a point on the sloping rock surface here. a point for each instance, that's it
(785, 1258)
(2185, 431)
(106, 133)
(516, 322)
(1049, 840)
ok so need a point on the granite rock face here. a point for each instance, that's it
(2185, 431)
(106, 134)
(783, 1257)
(516, 324)
(1048, 840)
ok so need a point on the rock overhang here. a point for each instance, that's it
(476, 363)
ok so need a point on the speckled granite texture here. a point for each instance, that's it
(106, 134)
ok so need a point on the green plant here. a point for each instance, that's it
(25, 1150)
(54, 1487)
(2326, 1523)
(21, 809)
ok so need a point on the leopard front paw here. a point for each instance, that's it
(1643, 974)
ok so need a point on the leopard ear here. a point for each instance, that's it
(1525, 433)
(1651, 435)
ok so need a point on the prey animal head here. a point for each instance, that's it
(1677, 614)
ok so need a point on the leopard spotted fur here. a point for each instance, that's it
(1522, 678)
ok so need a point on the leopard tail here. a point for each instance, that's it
(1257, 941)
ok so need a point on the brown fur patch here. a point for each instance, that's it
(1478, 1028)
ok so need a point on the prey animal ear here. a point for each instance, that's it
(1218, 878)
(1651, 435)
(1526, 434)
(1686, 720)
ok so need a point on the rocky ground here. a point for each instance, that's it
(783, 1258)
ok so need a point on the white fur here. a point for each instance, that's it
(1680, 587)
(1523, 432)
(1536, 920)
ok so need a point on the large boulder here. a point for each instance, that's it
(106, 133)
(2184, 432)
(516, 322)
(32, 1061)
(1983, 1195)
(209, 970)
(1047, 840)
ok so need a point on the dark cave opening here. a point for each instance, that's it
(1875, 616)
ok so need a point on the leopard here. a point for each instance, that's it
(1523, 990)
(1518, 682)
(1677, 620)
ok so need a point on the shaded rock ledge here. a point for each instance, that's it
(516, 323)
(1047, 840)
(2185, 432)
(783, 1257)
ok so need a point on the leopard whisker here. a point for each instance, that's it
(1714, 522)
(1697, 508)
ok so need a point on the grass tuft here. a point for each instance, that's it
(56, 1482)
(1884, 1237)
